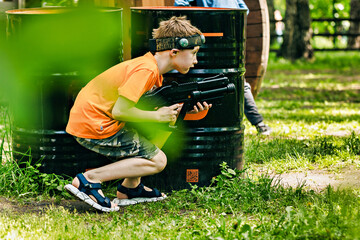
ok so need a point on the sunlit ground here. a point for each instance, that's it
(314, 112)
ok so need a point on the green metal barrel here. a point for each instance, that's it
(56, 52)
(202, 145)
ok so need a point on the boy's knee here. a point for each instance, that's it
(160, 161)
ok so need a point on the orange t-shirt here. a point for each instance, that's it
(91, 116)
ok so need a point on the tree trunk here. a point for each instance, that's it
(354, 41)
(298, 32)
(271, 9)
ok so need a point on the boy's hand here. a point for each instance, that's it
(200, 107)
(168, 114)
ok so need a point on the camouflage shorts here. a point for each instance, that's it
(124, 144)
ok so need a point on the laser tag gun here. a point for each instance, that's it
(189, 93)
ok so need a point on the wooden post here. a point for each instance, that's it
(257, 43)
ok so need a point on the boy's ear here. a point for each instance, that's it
(173, 52)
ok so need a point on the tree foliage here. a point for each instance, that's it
(334, 9)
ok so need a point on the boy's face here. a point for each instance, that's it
(185, 59)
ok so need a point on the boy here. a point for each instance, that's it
(97, 119)
(250, 109)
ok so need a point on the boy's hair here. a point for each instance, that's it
(175, 27)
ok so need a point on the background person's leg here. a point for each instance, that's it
(252, 113)
(250, 108)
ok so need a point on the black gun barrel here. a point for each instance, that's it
(211, 83)
(230, 88)
(205, 89)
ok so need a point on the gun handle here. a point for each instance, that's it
(183, 111)
(181, 116)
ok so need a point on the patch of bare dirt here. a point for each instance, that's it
(38, 207)
(318, 180)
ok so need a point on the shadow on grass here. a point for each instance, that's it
(310, 94)
(260, 151)
(314, 118)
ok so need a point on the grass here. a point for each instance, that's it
(283, 154)
(324, 61)
(28, 181)
(233, 208)
(313, 109)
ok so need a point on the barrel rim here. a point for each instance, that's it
(38, 131)
(240, 70)
(171, 8)
(55, 10)
(237, 130)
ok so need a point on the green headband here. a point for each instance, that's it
(161, 44)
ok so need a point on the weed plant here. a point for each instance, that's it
(5, 133)
(27, 181)
(233, 207)
(23, 178)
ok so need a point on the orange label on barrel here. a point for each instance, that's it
(218, 34)
(192, 175)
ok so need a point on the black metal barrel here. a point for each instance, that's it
(219, 137)
(58, 50)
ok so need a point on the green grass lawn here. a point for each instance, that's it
(314, 111)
